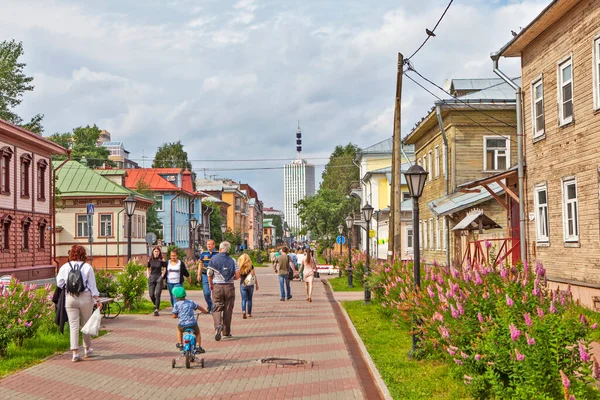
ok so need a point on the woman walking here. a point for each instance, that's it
(248, 283)
(155, 277)
(78, 279)
(309, 267)
(175, 273)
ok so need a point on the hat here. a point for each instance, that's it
(179, 292)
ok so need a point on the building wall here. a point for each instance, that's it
(299, 182)
(565, 151)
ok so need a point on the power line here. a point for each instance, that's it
(238, 160)
(432, 32)
(463, 114)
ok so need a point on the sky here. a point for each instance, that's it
(231, 79)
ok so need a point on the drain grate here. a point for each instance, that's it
(285, 362)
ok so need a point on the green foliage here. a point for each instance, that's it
(341, 285)
(215, 221)
(508, 334)
(278, 224)
(153, 223)
(340, 172)
(144, 306)
(106, 283)
(235, 238)
(180, 252)
(13, 84)
(172, 155)
(132, 284)
(84, 144)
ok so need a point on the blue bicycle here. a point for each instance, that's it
(189, 349)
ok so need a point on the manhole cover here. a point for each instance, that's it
(292, 362)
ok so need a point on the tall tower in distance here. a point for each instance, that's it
(298, 182)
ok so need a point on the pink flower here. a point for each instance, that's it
(454, 272)
(478, 280)
(540, 312)
(431, 293)
(583, 355)
(444, 332)
(464, 355)
(594, 325)
(480, 317)
(596, 369)
(552, 307)
(583, 319)
(8, 326)
(565, 381)
(514, 332)
(520, 357)
(503, 272)
(527, 319)
(530, 340)
(477, 357)
(487, 244)
(468, 379)
(454, 311)
(460, 308)
(457, 361)
(438, 317)
(451, 351)
(509, 301)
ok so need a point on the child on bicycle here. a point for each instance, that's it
(184, 311)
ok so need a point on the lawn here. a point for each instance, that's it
(389, 345)
(341, 285)
(145, 307)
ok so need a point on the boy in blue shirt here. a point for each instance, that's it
(184, 310)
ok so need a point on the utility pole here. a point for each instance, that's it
(394, 231)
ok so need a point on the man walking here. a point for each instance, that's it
(222, 272)
(283, 265)
(205, 256)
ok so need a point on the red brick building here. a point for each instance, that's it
(26, 200)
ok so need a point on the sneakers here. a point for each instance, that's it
(156, 313)
(76, 358)
(88, 352)
(249, 315)
(289, 298)
(282, 299)
(244, 315)
(200, 350)
(218, 333)
(179, 345)
(229, 336)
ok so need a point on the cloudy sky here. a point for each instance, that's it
(231, 79)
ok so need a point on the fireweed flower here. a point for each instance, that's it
(583, 355)
(478, 280)
(583, 319)
(480, 317)
(596, 369)
(450, 351)
(431, 292)
(509, 301)
(503, 272)
(552, 307)
(444, 332)
(468, 379)
(477, 357)
(460, 308)
(565, 380)
(520, 357)
(438, 317)
(454, 311)
(464, 355)
(457, 361)
(594, 326)
(530, 340)
(527, 319)
(487, 244)
(540, 312)
(514, 332)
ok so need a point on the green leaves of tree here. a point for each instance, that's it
(84, 143)
(172, 155)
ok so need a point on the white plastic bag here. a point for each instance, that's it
(92, 327)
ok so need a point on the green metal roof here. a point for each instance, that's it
(110, 171)
(75, 179)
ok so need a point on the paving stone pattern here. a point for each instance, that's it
(133, 361)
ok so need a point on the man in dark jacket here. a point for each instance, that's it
(222, 272)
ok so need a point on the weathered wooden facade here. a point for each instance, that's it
(560, 59)
(480, 133)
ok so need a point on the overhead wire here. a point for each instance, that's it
(432, 31)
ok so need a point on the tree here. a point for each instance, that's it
(84, 143)
(13, 83)
(172, 155)
(153, 223)
(278, 224)
(340, 172)
(215, 221)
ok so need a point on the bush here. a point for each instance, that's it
(106, 283)
(24, 309)
(180, 252)
(132, 284)
(508, 334)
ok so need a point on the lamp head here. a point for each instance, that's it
(367, 212)
(416, 177)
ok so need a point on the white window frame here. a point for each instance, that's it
(425, 234)
(438, 244)
(437, 161)
(408, 232)
(536, 132)
(567, 61)
(431, 236)
(430, 166)
(541, 209)
(82, 219)
(425, 163)
(596, 71)
(162, 202)
(444, 156)
(444, 239)
(507, 150)
(570, 203)
(105, 225)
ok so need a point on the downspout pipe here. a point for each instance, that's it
(495, 57)
(54, 207)
(438, 111)
(171, 216)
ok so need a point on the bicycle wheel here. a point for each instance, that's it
(188, 359)
(111, 310)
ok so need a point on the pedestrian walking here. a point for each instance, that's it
(202, 273)
(272, 257)
(294, 259)
(300, 259)
(175, 274)
(248, 283)
(282, 267)
(222, 272)
(309, 267)
(77, 277)
(155, 273)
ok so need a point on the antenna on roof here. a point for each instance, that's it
(299, 140)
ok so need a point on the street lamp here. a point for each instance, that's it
(340, 231)
(416, 177)
(193, 226)
(367, 211)
(349, 224)
(130, 204)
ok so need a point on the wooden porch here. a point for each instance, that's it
(492, 252)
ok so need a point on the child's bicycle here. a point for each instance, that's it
(188, 349)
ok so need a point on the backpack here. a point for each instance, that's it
(75, 284)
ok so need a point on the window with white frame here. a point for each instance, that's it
(431, 238)
(444, 232)
(405, 196)
(409, 238)
(425, 234)
(420, 234)
(438, 244)
(565, 92)
(159, 198)
(537, 108)
(437, 161)
(541, 213)
(444, 152)
(496, 153)
(597, 73)
(570, 211)
(424, 163)
(105, 225)
(82, 225)
(430, 167)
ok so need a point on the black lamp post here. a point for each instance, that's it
(130, 204)
(193, 226)
(416, 177)
(367, 215)
(340, 231)
(349, 224)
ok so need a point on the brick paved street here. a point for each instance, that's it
(133, 361)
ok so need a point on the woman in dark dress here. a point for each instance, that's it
(155, 277)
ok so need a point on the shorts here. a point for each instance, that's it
(194, 327)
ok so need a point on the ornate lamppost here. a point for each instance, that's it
(367, 211)
(349, 224)
(130, 204)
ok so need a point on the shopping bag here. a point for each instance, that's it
(92, 326)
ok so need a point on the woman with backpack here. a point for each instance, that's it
(78, 281)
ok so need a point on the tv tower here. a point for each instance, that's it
(299, 141)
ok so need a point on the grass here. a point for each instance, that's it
(389, 345)
(321, 260)
(48, 341)
(341, 285)
(145, 307)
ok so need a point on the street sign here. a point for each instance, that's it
(151, 238)
(340, 240)
(90, 209)
(372, 233)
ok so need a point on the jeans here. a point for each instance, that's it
(206, 290)
(155, 289)
(224, 296)
(170, 286)
(247, 292)
(284, 280)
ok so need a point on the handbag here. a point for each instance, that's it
(92, 326)
(317, 275)
(250, 280)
